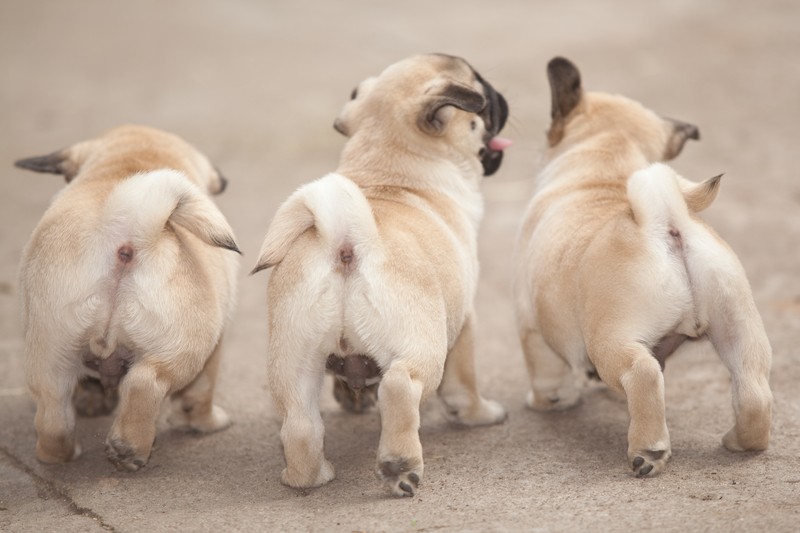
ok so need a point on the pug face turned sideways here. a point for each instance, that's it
(375, 267)
(126, 285)
(615, 270)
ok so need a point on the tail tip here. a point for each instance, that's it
(228, 243)
(259, 267)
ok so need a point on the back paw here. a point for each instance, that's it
(648, 463)
(755, 442)
(123, 456)
(400, 476)
(302, 480)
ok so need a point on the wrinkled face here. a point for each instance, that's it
(434, 103)
(131, 149)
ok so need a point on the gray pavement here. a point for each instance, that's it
(256, 85)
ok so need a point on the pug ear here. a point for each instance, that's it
(566, 93)
(438, 110)
(680, 132)
(56, 163)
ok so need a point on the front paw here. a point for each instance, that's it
(57, 449)
(561, 401)
(482, 413)
(648, 463)
(401, 476)
(123, 456)
(188, 419)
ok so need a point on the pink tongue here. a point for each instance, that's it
(498, 144)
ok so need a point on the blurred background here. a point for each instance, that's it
(256, 85)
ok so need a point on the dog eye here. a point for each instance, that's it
(354, 94)
(473, 125)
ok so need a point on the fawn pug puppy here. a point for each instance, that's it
(375, 266)
(614, 268)
(128, 278)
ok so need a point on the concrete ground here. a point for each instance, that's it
(256, 85)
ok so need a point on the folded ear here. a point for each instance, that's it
(438, 110)
(56, 163)
(566, 93)
(679, 134)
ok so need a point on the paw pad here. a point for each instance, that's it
(400, 477)
(122, 455)
(648, 462)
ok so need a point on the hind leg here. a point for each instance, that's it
(296, 385)
(55, 416)
(133, 431)
(737, 333)
(748, 361)
(629, 367)
(553, 386)
(51, 377)
(459, 390)
(193, 406)
(400, 463)
(745, 351)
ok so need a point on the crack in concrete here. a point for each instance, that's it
(48, 490)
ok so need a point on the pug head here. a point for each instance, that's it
(431, 104)
(577, 114)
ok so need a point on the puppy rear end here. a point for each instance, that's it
(119, 282)
(664, 206)
(139, 215)
(337, 208)
(615, 267)
(326, 228)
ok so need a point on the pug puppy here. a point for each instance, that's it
(615, 270)
(128, 279)
(376, 265)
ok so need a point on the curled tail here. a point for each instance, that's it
(140, 207)
(135, 215)
(659, 197)
(336, 208)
